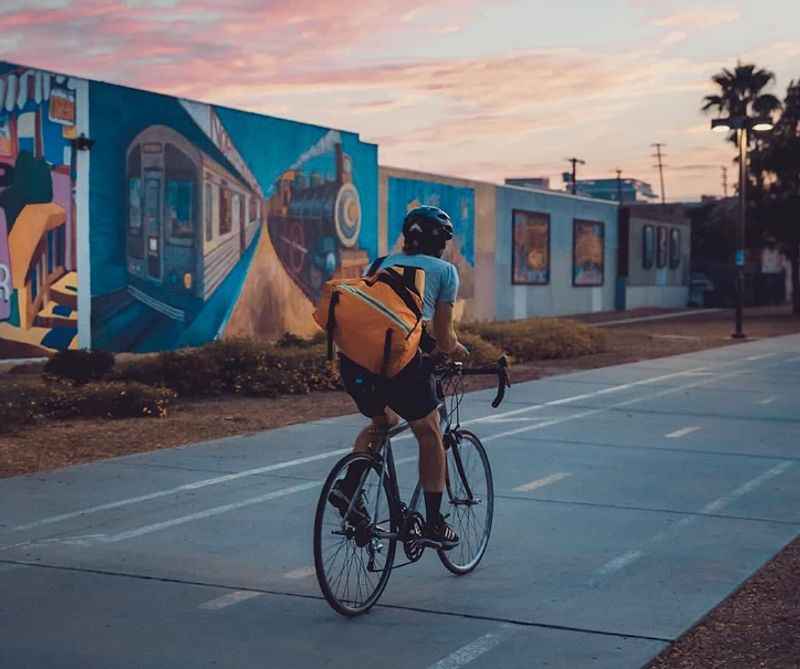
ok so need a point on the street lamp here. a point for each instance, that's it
(742, 124)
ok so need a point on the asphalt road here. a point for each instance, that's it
(629, 501)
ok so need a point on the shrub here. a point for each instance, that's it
(482, 352)
(24, 403)
(542, 338)
(290, 340)
(79, 366)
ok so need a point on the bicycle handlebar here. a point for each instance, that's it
(500, 368)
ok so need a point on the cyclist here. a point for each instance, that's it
(411, 394)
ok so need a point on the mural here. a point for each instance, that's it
(459, 203)
(209, 222)
(531, 248)
(38, 238)
(588, 240)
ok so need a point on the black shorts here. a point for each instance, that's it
(411, 394)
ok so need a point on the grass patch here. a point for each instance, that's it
(541, 338)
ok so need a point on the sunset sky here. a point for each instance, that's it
(480, 90)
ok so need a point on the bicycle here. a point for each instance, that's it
(366, 547)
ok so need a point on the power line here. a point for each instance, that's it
(575, 161)
(658, 146)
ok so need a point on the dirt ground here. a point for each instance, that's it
(757, 626)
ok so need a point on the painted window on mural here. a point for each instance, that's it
(135, 205)
(152, 191)
(674, 248)
(34, 282)
(6, 139)
(51, 250)
(26, 133)
(226, 212)
(61, 244)
(180, 195)
(648, 246)
(588, 247)
(661, 252)
(207, 213)
(531, 248)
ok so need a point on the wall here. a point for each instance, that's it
(652, 280)
(559, 295)
(210, 222)
(40, 204)
(471, 204)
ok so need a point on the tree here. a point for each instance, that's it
(778, 199)
(741, 92)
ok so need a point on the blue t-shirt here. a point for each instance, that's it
(441, 278)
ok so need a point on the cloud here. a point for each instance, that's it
(674, 37)
(701, 17)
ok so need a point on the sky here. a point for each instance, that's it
(482, 90)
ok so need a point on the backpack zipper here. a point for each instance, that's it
(371, 301)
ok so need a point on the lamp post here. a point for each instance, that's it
(742, 124)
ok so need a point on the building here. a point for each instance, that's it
(617, 190)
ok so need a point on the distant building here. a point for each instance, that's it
(625, 190)
(530, 182)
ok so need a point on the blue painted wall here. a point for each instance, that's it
(559, 296)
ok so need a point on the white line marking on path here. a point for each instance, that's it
(761, 357)
(230, 600)
(540, 483)
(677, 434)
(768, 400)
(182, 488)
(472, 651)
(619, 563)
(625, 559)
(322, 456)
(208, 513)
(297, 574)
(797, 359)
(147, 529)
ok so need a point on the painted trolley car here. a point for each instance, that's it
(189, 222)
(315, 222)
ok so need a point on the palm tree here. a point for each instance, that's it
(740, 92)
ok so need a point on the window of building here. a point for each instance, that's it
(674, 248)
(648, 246)
(661, 248)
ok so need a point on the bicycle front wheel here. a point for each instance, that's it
(353, 555)
(470, 494)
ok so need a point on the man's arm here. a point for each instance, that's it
(444, 330)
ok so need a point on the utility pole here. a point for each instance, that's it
(575, 161)
(658, 146)
(724, 180)
(619, 185)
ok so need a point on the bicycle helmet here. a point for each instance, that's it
(427, 230)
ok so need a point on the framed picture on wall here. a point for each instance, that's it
(674, 248)
(530, 262)
(588, 252)
(661, 253)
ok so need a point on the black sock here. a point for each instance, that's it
(433, 504)
(354, 472)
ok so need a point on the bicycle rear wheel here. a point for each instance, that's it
(470, 494)
(353, 557)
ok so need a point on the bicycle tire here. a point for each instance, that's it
(473, 528)
(326, 518)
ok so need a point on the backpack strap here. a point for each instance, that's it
(376, 265)
(395, 281)
(330, 326)
(387, 351)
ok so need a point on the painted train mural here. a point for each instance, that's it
(315, 221)
(190, 221)
(38, 256)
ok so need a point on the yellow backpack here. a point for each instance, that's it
(374, 320)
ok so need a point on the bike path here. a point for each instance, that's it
(629, 537)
